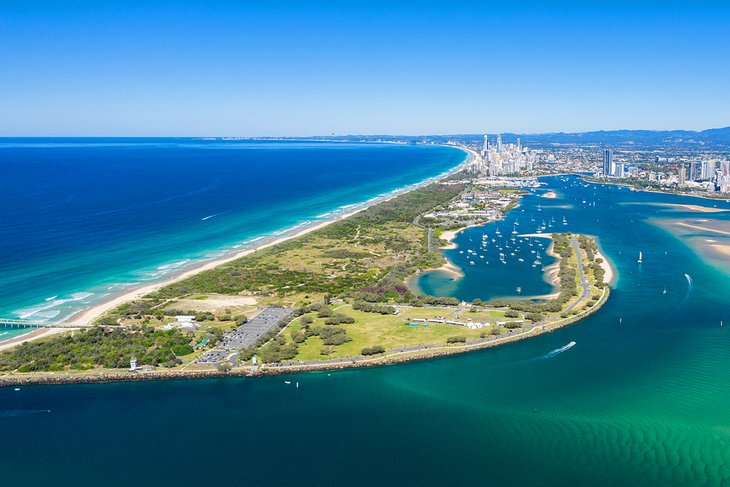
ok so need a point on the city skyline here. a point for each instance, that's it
(293, 69)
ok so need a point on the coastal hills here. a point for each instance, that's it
(716, 137)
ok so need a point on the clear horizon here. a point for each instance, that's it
(288, 69)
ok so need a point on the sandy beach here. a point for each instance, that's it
(695, 208)
(35, 334)
(703, 228)
(550, 194)
(94, 312)
(721, 249)
(609, 274)
(449, 236)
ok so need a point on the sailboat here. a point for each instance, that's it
(640, 258)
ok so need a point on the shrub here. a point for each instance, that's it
(373, 308)
(338, 319)
(456, 339)
(534, 317)
(374, 350)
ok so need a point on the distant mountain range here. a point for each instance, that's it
(719, 137)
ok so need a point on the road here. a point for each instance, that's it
(429, 230)
(583, 281)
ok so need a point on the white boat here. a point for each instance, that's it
(641, 259)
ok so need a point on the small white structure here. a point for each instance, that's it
(133, 364)
(183, 322)
(254, 360)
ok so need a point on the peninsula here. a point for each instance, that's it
(334, 296)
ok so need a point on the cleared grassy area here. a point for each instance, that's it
(392, 331)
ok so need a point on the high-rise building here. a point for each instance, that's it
(682, 176)
(607, 161)
(695, 170)
(619, 169)
(708, 170)
(485, 148)
(499, 143)
(723, 178)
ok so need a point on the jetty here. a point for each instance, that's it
(12, 323)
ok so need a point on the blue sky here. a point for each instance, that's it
(302, 68)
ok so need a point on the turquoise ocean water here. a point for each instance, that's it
(85, 219)
(643, 398)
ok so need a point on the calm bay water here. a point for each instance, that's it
(85, 218)
(641, 399)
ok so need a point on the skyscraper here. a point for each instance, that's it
(607, 162)
(499, 143)
(695, 170)
(485, 148)
(682, 176)
(708, 170)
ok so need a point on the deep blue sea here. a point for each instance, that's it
(83, 219)
(642, 399)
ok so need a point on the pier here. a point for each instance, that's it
(11, 323)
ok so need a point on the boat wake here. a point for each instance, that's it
(22, 412)
(549, 355)
(558, 351)
(689, 281)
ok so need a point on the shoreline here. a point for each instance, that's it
(610, 273)
(645, 190)
(32, 335)
(396, 356)
(95, 311)
(429, 352)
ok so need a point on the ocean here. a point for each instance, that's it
(641, 398)
(84, 219)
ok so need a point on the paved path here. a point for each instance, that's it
(583, 281)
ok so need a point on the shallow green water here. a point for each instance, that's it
(643, 398)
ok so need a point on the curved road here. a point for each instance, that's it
(583, 281)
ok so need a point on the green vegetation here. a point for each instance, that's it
(347, 282)
(370, 251)
(388, 331)
(99, 347)
(374, 308)
(372, 350)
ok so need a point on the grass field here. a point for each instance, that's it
(392, 331)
